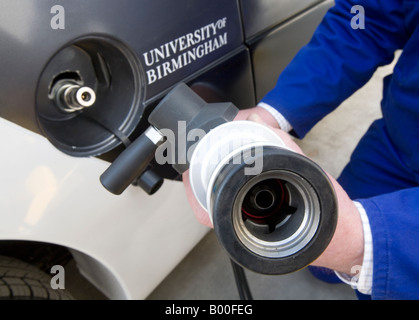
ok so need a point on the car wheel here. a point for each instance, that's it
(22, 281)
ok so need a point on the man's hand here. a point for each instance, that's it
(347, 245)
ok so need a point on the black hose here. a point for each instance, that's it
(241, 282)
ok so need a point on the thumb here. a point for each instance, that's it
(256, 118)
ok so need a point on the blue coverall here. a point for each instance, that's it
(383, 174)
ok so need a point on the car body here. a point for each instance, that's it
(50, 167)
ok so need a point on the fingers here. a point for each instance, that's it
(200, 214)
(286, 138)
(264, 115)
(256, 118)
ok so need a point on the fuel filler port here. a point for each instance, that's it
(89, 97)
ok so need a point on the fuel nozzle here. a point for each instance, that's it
(181, 104)
(274, 211)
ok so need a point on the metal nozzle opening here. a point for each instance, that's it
(276, 214)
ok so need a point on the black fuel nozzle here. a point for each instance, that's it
(181, 104)
(273, 210)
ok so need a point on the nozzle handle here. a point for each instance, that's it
(131, 163)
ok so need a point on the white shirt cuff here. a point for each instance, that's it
(282, 122)
(361, 276)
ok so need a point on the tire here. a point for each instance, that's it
(22, 281)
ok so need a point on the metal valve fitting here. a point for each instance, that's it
(70, 96)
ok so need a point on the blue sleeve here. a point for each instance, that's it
(395, 233)
(337, 61)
